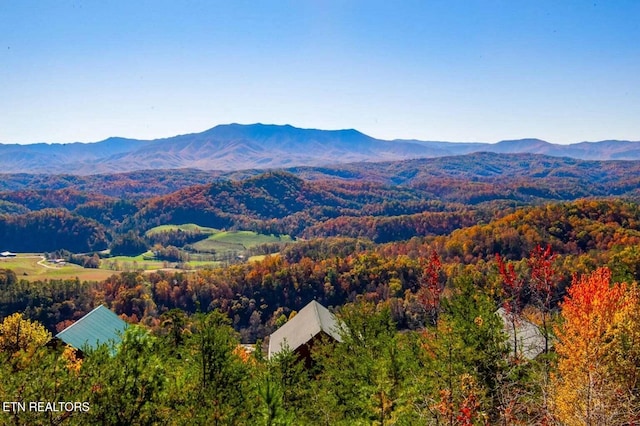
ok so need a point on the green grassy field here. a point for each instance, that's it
(185, 227)
(131, 263)
(236, 242)
(225, 244)
(222, 242)
(32, 267)
(145, 262)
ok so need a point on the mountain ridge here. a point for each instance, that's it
(236, 146)
(614, 176)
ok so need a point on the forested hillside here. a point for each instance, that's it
(551, 172)
(416, 264)
(381, 201)
(51, 229)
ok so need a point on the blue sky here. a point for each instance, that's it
(563, 71)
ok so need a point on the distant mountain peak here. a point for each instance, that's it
(236, 146)
(524, 141)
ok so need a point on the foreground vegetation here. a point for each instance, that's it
(457, 369)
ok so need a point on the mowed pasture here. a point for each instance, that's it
(143, 261)
(33, 267)
(146, 262)
(232, 243)
(187, 227)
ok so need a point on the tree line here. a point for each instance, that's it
(456, 370)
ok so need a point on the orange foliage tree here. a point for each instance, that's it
(596, 380)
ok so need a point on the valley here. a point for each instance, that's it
(416, 256)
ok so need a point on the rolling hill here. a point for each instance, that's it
(383, 201)
(579, 178)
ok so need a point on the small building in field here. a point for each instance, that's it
(313, 322)
(7, 254)
(100, 326)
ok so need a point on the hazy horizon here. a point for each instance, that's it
(286, 124)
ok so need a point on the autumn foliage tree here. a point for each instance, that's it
(18, 333)
(543, 281)
(431, 288)
(536, 287)
(596, 380)
(513, 287)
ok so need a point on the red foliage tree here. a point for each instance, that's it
(543, 283)
(431, 287)
(513, 303)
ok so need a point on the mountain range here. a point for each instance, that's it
(261, 146)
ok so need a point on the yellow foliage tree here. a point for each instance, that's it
(596, 380)
(18, 333)
(70, 356)
(622, 355)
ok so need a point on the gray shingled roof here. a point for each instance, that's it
(530, 338)
(97, 327)
(311, 320)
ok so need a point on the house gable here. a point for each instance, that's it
(97, 327)
(312, 320)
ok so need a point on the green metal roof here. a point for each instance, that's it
(97, 327)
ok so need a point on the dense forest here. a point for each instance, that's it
(381, 201)
(430, 273)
